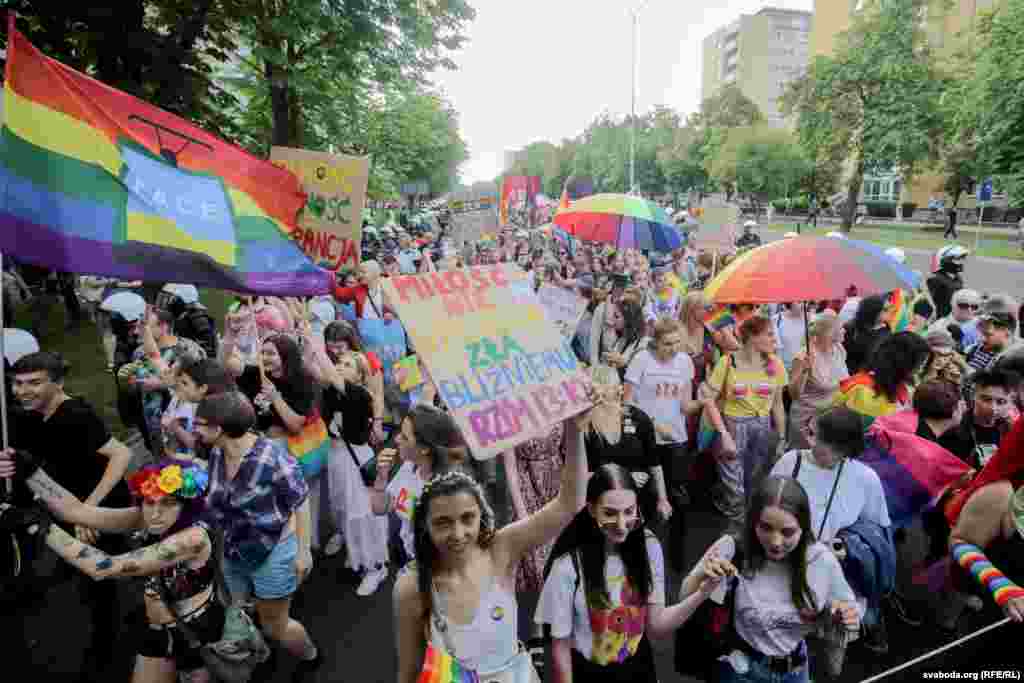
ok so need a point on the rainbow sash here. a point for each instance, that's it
(441, 667)
(311, 446)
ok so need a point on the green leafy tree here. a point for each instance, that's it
(759, 163)
(875, 101)
(984, 105)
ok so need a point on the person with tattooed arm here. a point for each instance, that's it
(177, 563)
(65, 434)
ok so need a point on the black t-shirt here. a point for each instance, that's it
(300, 398)
(636, 448)
(964, 440)
(355, 410)
(67, 446)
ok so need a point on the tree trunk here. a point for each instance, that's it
(853, 193)
(174, 94)
(277, 79)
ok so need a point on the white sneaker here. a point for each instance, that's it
(334, 545)
(372, 581)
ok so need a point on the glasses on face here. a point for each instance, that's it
(968, 307)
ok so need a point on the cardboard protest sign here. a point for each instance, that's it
(719, 226)
(563, 306)
(407, 372)
(474, 214)
(386, 338)
(331, 225)
(504, 371)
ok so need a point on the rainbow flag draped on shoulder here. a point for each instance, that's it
(858, 393)
(97, 181)
(914, 471)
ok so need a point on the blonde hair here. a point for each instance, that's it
(822, 324)
(692, 304)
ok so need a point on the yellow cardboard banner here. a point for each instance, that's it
(331, 226)
(505, 372)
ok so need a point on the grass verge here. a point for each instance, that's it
(991, 244)
(81, 348)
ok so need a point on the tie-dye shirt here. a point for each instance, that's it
(603, 633)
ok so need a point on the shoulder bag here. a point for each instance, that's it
(242, 648)
(709, 633)
(367, 471)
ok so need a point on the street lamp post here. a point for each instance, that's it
(632, 132)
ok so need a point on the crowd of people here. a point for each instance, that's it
(278, 436)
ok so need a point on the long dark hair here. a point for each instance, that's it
(436, 431)
(788, 494)
(895, 360)
(868, 311)
(584, 537)
(447, 483)
(293, 371)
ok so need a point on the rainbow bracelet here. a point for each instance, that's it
(973, 560)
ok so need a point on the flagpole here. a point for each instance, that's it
(8, 485)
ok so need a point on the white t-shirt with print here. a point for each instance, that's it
(765, 614)
(603, 636)
(659, 389)
(858, 496)
(403, 492)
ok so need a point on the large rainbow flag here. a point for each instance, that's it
(96, 181)
(914, 471)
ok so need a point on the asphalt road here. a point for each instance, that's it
(357, 638)
(981, 273)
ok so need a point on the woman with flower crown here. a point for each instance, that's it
(177, 562)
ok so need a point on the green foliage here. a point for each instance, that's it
(876, 100)
(759, 162)
(984, 107)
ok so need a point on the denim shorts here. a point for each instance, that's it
(272, 580)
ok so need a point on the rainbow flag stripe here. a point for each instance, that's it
(859, 395)
(97, 181)
(898, 311)
(441, 667)
(913, 470)
(311, 446)
(720, 317)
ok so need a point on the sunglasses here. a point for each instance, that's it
(972, 307)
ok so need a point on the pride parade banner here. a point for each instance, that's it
(98, 182)
(504, 371)
(330, 229)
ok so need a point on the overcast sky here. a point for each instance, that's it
(542, 69)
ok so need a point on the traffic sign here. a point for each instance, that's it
(985, 190)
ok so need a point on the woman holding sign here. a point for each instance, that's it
(459, 599)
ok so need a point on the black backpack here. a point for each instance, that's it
(197, 324)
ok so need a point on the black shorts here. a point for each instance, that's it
(168, 642)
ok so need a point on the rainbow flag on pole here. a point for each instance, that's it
(96, 181)
(897, 311)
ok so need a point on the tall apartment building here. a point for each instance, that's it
(760, 53)
(945, 27)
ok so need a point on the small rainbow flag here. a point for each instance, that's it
(311, 446)
(97, 181)
(720, 317)
(858, 393)
(897, 311)
(441, 667)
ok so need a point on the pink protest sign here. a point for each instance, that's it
(502, 368)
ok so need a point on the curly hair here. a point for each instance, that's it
(448, 483)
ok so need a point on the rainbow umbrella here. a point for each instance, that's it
(621, 220)
(809, 269)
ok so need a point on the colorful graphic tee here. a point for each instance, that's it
(603, 631)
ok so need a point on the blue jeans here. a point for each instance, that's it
(272, 580)
(761, 673)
